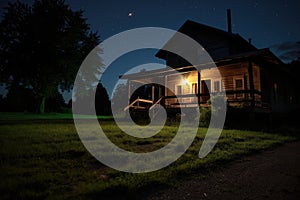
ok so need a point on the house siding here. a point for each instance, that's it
(229, 73)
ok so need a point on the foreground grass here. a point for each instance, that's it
(47, 116)
(47, 160)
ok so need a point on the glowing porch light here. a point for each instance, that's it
(185, 82)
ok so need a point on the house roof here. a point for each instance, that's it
(216, 42)
(233, 47)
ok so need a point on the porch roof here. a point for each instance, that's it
(261, 55)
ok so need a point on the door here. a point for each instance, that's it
(205, 89)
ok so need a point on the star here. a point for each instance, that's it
(130, 14)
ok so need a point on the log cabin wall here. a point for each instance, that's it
(234, 77)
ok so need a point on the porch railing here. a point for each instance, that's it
(245, 100)
(192, 100)
(155, 109)
(137, 102)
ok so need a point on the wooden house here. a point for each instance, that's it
(254, 79)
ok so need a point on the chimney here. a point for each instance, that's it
(229, 21)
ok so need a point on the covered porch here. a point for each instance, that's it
(241, 80)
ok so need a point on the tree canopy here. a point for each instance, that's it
(42, 47)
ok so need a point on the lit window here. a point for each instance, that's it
(217, 87)
(179, 89)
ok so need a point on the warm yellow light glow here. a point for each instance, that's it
(185, 82)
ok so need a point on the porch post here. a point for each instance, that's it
(153, 89)
(166, 89)
(159, 91)
(251, 84)
(246, 86)
(252, 95)
(129, 83)
(198, 87)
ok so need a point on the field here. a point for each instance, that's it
(46, 159)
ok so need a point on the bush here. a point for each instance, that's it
(205, 115)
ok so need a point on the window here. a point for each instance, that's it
(239, 85)
(178, 89)
(217, 86)
(194, 88)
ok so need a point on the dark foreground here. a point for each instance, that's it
(273, 174)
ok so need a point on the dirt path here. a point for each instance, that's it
(273, 174)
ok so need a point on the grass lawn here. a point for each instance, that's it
(47, 160)
(47, 116)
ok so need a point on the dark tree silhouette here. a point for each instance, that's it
(294, 70)
(1, 103)
(102, 102)
(19, 99)
(294, 67)
(42, 47)
(56, 103)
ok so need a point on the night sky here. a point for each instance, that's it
(266, 22)
(273, 24)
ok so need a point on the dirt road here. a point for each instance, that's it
(273, 174)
